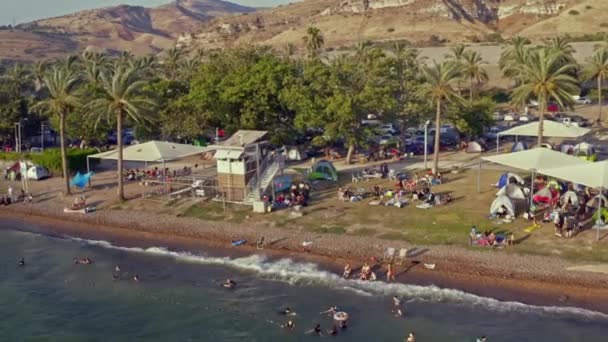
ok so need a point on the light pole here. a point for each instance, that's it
(18, 136)
(42, 127)
(426, 143)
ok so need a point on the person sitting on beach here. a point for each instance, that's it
(559, 223)
(491, 238)
(390, 274)
(79, 203)
(229, 284)
(347, 271)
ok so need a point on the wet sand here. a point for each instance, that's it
(505, 276)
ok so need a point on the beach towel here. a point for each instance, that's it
(532, 228)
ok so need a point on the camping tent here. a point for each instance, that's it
(509, 177)
(567, 149)
(37, 172)
(153, 151)
(519, 146)
(594, 175)
(295, 153)
(536, 159)
(585, 151)
(512, 191)
(570, 196)
(474, 147)
(545, 195)
(324, 170)
(502, 201)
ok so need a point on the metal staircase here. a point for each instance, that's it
(269, 168)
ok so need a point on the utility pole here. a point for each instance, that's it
(42, 128)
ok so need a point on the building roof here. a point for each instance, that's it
(243, 138)
(154, 151)
(228, 154)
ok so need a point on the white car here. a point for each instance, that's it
(511, 117)
(389, 129)
(525, 118)
(498, 117)
(583, 100)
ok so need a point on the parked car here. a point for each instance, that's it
(492, 133)
(581, 100)
(526, 118)
(576, 121)
(389, 129)
(511, 117)
(497, 116)
(385, 139)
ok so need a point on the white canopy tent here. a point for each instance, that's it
(535, 160)
(551, 129)
(594, 175)
(153, 152)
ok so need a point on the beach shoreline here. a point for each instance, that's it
(534, 280)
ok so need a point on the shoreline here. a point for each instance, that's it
(532, 280)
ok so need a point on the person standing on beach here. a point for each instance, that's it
(390, 273)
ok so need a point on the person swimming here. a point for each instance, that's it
(482, 339)
(21, 262)
(347, 271)
(117, 269)
(136, 278)
(396, 301)
(229, 284)
(343, 325)
(289, 325)
(332, 310)
(398, 313)
(333, 331)
(411, 338)
(317, 330)
(287, 312)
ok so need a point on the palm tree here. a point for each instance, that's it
(472, 70)
(513, 55)
(290, 50)
(597, 68)
(38, 70)
(439, 88)
(121, 97)
(171, 62)
(313, 40)
(456, 53)
(544, 76)
(63, 98)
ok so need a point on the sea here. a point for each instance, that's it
(179, 297)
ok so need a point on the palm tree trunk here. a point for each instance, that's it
(437, 133)
(121, 190)
(541, 118)
(349, 154)
(599, 99)
(64, 155)
(471, 91)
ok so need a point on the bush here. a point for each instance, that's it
(604, 25)
(51, 159)
(573, 12)
(390, 29)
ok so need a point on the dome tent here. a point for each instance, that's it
(474, 147)
(509, 177)
(519, 146)
(512, 191)
(570, 196)
(38, 172)
(324, 170)
(502, 201)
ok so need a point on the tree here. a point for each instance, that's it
(313, 40)
(473, 71)
(171, 62)
(456, 53)
(597, 68)
(472, 118)
(63, 98)
(545, 75)
(439, 89)
(38, 69)
(122, 97)
(513, 55)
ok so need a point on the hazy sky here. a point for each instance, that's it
(27, 10)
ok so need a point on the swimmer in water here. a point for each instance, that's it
(347, 271)
(229, 284)
(317, 329)
(76, 261)
(117, 269)
(398, 313)
(411, 338)
(332, 310)
(333, 331)
(396, 301)
(21, 262)
(287, 312)
(482, 339)
(136, 278)
(343, 325)
(290, 325)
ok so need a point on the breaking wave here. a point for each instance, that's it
(302, 273)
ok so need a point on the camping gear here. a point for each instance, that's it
(294, 153)
(474, 147)
(81, 180)
(282, 183)
(519, 146)
(570, 196)
(595, 201)
(544, 195)
(38, 172)
(324, 170)
(236, 243)
(402, 255)
(585, 151)
(429, 266)
(512, 191)
(389, 254)
(502, 201)
(508, 177)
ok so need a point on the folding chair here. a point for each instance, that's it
(389, 254)
(402, 255)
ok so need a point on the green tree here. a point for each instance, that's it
(313, 40)
(63, 97)
(439, 89)
(597, 68)
(171, 62)
(122, 97)
(545, 76)
(514, 54)
(473, 71)
(472, 118)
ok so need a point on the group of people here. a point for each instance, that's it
(367, 273)
(10, 197)
(317, 330)
(489, 238)
(298, 195)
(156, 173)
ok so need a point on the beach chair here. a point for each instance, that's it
(389, 254)
(402, 255)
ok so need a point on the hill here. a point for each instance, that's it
(138, 29)
(426, 22)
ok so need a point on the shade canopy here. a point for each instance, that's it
(153, 151)
(594, 175)
(537, 159)
(550, 129)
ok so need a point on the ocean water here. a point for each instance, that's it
(179, 298)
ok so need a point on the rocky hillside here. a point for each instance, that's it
(138, 29)
(428, 22)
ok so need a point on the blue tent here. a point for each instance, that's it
(519, 146)
(505, 177)
(81, 180)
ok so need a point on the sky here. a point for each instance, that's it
(22, 11)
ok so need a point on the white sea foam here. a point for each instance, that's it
(302, 273)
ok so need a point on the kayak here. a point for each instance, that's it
(236, 243)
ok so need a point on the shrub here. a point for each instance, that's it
(390, 29)
(604, 25)
(573, 12)
(51, 159)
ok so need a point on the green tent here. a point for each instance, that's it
(324, 170)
